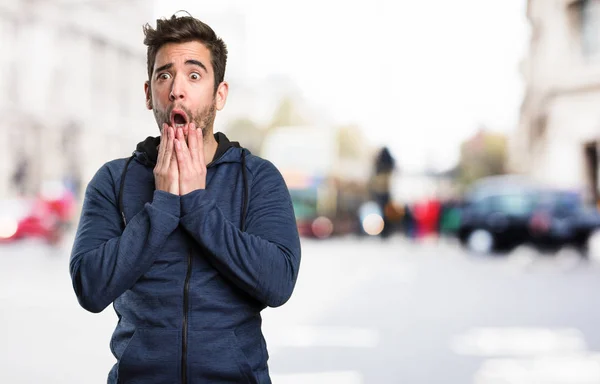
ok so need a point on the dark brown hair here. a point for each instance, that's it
(183, 29)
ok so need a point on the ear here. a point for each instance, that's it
(221, 96)
(148, 94)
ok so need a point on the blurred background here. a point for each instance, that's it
(442, 158)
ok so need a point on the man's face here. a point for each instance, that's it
(181, 90)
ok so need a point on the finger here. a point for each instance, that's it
(169, 147)
(161, 146)
(180, 157)
(174, 155)
(183, 141)
(200, 146)
(173, 162)
(183, 155)
(193, 143)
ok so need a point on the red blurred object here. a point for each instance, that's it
(305, 228)
(321, 227)
(540, 223)
(426, 213)
(47, 216)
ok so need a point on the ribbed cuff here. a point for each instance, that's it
(167, 202)
(192, 201)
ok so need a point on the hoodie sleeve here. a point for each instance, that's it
(107, 260)
(264, 260)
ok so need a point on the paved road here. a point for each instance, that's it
(364, 311)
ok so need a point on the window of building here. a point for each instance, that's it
(125, 94)
(589, 24)
(538, 130)
(99, 74)
(8, 61)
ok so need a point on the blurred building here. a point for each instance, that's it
(71, 97)
(260, 98)
(559, 130)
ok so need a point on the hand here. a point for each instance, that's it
(190, 158)
(166, 172)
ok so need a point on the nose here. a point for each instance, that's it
(177, 89)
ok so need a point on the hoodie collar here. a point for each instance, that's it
(146, 151)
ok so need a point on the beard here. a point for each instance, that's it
(204, 119)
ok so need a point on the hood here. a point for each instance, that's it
(146, 152)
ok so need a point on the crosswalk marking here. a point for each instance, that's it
(530, 355)
(575, 369)
(339, 377)
(305, 336)
(515, 341)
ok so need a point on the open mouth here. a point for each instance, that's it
(178, 118)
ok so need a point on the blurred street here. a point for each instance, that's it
(476, 121)
(364, 311)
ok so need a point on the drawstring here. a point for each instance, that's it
(245, 198)
(121, 191)
(244, 201)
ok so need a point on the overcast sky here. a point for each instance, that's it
(419, 76)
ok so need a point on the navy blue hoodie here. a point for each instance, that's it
(187, 275)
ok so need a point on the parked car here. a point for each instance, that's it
(561, 218)
(496, 220)
(504, 212)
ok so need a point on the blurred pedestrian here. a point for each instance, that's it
(192, 236)
(20, 175)
(380, 186)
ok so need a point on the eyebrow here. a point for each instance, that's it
(166, 66)
(198, 63)
(189, 62)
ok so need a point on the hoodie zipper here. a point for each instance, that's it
(186, 289)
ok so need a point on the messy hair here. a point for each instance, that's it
(183, 29)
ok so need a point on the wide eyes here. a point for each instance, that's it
(167, 76)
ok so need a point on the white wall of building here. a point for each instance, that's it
(560, 113)
(81, 64)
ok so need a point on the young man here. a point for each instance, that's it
(192, 236)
